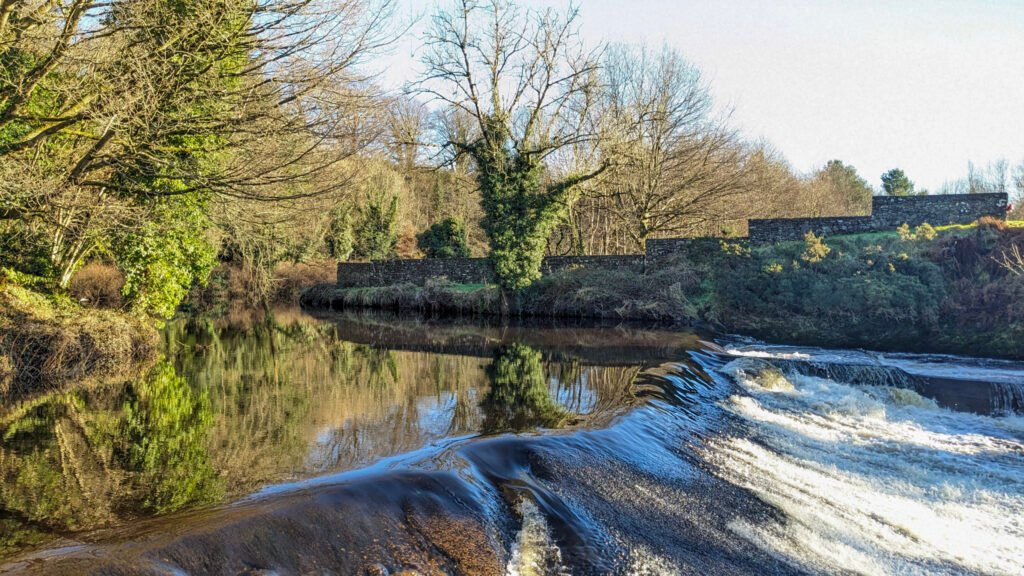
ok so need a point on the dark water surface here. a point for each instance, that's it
(376, 445)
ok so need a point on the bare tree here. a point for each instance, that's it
(678, 166)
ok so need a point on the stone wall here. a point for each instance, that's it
(659, 248)
(465, 270)
(783, 229)
(887, 213)
(891, 212)
(632, 262)
(386, 272)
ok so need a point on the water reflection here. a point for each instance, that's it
(230, 410)
(519, 397)
(86, 458)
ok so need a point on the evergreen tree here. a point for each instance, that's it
(896, 183)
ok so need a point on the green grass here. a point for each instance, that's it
(466, 288)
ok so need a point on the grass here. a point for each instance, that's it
(48, 342)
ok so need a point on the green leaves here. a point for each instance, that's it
(377, 235)
(444, 239)
(520, 212)
(896, 183)
(165, 256)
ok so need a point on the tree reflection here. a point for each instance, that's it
(163, 443)
(518, 398)
(81, 459)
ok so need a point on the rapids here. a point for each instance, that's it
(567, 450)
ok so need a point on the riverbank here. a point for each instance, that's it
(47, 343)
(957, 289)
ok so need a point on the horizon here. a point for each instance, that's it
(944, 106)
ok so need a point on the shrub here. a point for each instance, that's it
(292, 279)
(925, 232)
(98, 284)
(815, 249)
(377, 235)
(340, 240)
(165, 256)
(444, 239)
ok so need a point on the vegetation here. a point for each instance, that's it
(955, 290)
(48, 343)
(446, 239)
(156, 154)
(524, 90)
(896, 183)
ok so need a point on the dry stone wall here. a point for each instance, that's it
(887, 213)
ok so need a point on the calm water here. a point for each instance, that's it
(372, 445)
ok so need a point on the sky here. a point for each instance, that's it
(922, 85)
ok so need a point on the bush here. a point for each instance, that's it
(98, 284)
(444, 239)
(815, 249)
(340, 241)
(292, 279)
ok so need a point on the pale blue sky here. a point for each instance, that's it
(924, 85)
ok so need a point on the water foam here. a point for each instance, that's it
(875, 479)
(534, 553)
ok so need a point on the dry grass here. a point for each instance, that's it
(45, 347)
(292, 279)
(98, 285)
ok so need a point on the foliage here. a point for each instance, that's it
(444, 239)
(815, 249)
(520, 213)
(518, 398)
(340, 240)
(509, 118)
(848, 190)
(164, 256)
(896, 183)
(923, 232)
(377, 235)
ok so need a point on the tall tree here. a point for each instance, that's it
(113, 109)
(677, 167)
(526, 83)
(837, 189)
(896, 183)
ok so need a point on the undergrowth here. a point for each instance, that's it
(951, 289)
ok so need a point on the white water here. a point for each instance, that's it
(534, 553)
(874, 480)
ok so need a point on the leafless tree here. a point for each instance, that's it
(678, 166)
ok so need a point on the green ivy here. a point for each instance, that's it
(520, 211)
(165, 256)
(444, 239)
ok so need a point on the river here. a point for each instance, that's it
(367, 444)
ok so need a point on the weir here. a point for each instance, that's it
(967, 394)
